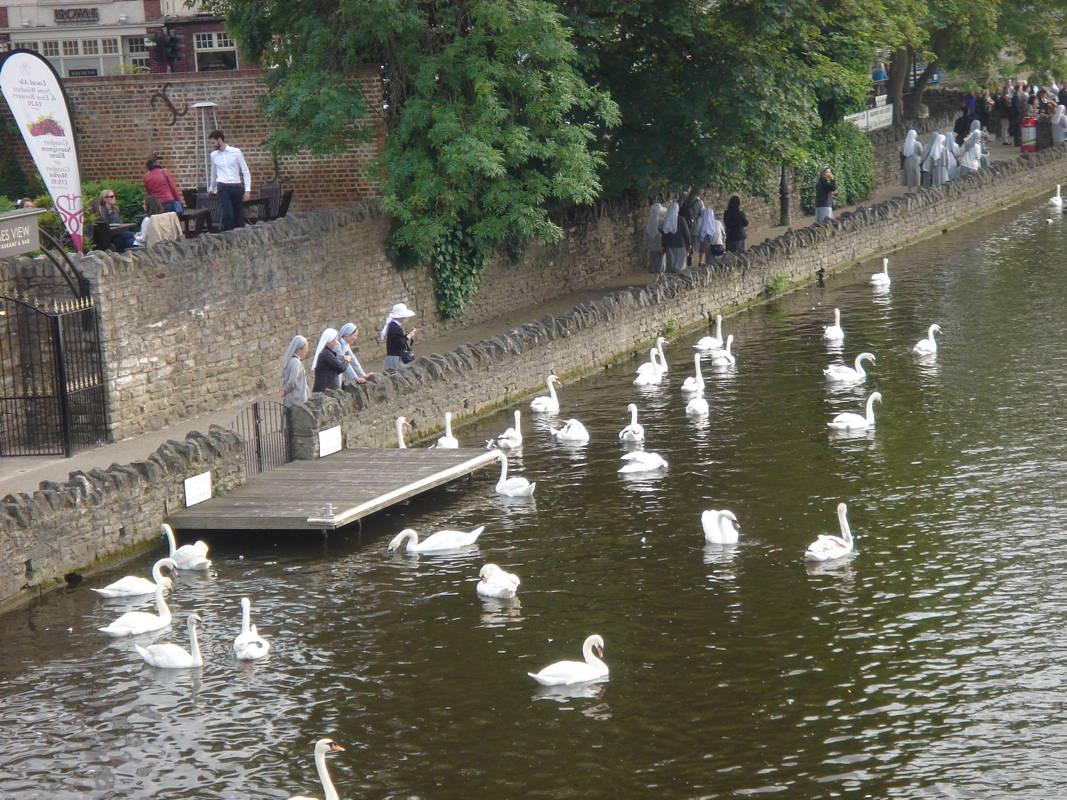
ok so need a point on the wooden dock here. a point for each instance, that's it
(331, 492)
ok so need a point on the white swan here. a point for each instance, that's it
(842, 374)
(641, 461)
(132, 586)
(322, 747)
(249, 645)
(496, 583)
(400, 423)
(651, 376)
(1057, 199)
(435, 542)
(834, 333)
(448, 441)
(827, 547)
(706, 343)
(927, 346)
(882, 278)
(697, 408)
(572, 432)
(511, 439)
(563, 673)
(652, 365)
(634, 432)
(512, 487)
(720, 527)
(172, 656)
(188, 556)
(547, 404)
(134, 623)
(724, 357)
(694, 384)
(850, 421)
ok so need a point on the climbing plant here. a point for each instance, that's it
(457, 266)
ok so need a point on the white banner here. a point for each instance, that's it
(34, 94)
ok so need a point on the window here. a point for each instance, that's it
(223, 41)
(90, 47)
(205, 41)
(50, 49)
(110, 46)
(214, 51)
(70, 47)
(136, 45)
(28, 46)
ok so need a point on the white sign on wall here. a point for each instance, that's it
(329, 441)
(872, 119)
(197, 489)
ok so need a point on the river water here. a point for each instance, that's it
(931, 664)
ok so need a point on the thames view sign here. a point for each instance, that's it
(18, 232)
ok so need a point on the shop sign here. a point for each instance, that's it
(67, 15)
(18, 232)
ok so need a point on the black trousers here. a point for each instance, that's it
(231, 195)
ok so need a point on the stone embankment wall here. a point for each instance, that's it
(95, 515)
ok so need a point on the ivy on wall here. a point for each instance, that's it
(850, 154)
(457, 266)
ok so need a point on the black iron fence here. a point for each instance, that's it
(264, 426)
(52, 399)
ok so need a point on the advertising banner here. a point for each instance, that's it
(35, 95)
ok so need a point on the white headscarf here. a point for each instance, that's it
(950, 143)
(297, 342)
(976, 125)
(706, 226)
(347, 330)
(670, 225)
(937, 148)
(398, 311)
(652, 226)
(1058, 115)
(328, 336)
(911, 144)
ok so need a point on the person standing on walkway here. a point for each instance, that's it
(707, 235)
(294, 380)
(735, 222)
(398, 353)
(231, 179)
(963, 124)
(327, 364)
(910, 155)
(952, 153)
(654, 237)
(825, 187)
(971, 151)
(347, 336)
(159, 183)
(1059, 126)
(937, 161)
(676, 240)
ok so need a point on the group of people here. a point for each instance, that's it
(1014, 102)
(334, 362)
(674, 234)
(945, 156)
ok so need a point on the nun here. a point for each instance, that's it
(654, 238)
(971, 151)
(952, 150)
(910, 156)
(1059, 126)
(708, 234)
(354, 371)
(397, 343)
(936, 162)
(676, 242)
(294, 380)
(328, 365)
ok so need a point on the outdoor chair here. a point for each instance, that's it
(287, 198)
(212, 203)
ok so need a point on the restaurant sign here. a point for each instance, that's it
(18, 232)
(65, 15)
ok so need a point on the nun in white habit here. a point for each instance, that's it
(654, 238)
(934, 162)
(1059, 126)
(910, 156)
(952, 150)
(294, 380)
(328, 364)
(971, 151)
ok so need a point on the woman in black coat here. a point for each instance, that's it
(328, 364)
(735, 222)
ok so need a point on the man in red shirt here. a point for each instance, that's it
(159, 183)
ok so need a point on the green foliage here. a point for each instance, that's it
(13, 181)
(6, 204)
(128, 194)
(670, 328)
(849, 153)
(776, 286)
(457, 265)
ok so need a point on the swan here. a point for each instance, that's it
(694, 384)
(650, 377)
(249, 645)
(188, 556)
(563, 673)
(512, 487)
(496, 583)
(172, 656)
(641, 461)
(841, 374)
(927, 346)
(572, 432)
(1057, 199)
(882, 278)
(652, 365)
(634, 432)
(549, 404)
(720, 527)
(510, 439)
(435, 542)
(401, 422)
(850, 421)
(132, 586)
(696, 408)
(134, 623)
(322, 747)
(834, 333)
(827, 547)
(706, 343)
(724, 358)
(448, 441)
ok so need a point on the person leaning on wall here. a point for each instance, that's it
(398, 344)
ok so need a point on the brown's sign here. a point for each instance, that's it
(76, 14)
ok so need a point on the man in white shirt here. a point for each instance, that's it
(231, 179)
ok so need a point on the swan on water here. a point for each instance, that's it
(134, 623)
(511, 439)
(512, 487)
(448, 441)
(322, 747)
(1056, 199)
(547, 404)
(188, 556)
(696, 408)
(850, 421)
(694, 384)
(724, 357)
(634, 432)
(642, 461)
(650, 377)
(707, 343)
(827, 547)
(401, 423)
(660, 361)
(172, 656)
(563, 673)
(882, 278)
(927, 346)
(249, 645)
(834, 333)
(495, 583)
(838, 373)
(572, 432)
(720, 527)
(132, 586)
(435, 542)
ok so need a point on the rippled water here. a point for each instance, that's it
(930, 665)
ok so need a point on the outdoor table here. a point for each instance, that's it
(119, 227)
(262, 206)
(195, 221)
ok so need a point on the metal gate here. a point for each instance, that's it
(264, 426)
(51, 377)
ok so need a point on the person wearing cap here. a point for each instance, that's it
(397, 343)
(294, 380)
(327, 364)
(347, 336)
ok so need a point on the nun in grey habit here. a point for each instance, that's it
(676, 241)
(294, 380)
(935, 161)
(953, 151)
(910, 156)
(654, 238)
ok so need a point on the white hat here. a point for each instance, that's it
(401, 311)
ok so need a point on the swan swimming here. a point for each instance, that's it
(172, 656)
(132, 586)
(401, 423)
(642, 461)
(634, 432)
(322, 747)
(724, 358)
(512, 487)
(249, 645)
(563, 673)
(720, 527)
(188, 556)
(697, 408)
(694, 384)
(927, 346)
(547, 404)
(882, 278)
(834, 333)
(650, 377)
(134, 623)
(652, 365)
(572, 432)
(1056, 199)
(495, 583)
(827, 547)
(448, 441)
(842, 374)
(511, 439)
(435, 542)
(850, 421)
(707, 343)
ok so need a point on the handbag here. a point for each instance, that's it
(407, 356)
